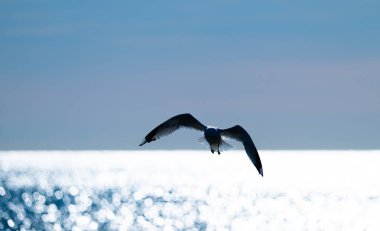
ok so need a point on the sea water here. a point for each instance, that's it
(189, 190)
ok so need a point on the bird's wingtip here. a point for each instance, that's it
(142, 143)
(261, 172)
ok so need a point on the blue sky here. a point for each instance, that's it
(100, 75)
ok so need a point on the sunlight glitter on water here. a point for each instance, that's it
(189, 190)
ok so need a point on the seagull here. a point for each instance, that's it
(215, 137)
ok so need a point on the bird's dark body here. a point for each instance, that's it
(213, 137)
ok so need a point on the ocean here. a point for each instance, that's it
(189, 190)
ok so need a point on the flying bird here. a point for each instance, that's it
(215, 137)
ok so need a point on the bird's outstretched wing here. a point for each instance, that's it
(238, 133)
(172, 124)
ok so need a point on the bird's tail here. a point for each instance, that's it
(202, 140)
(225, 146)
